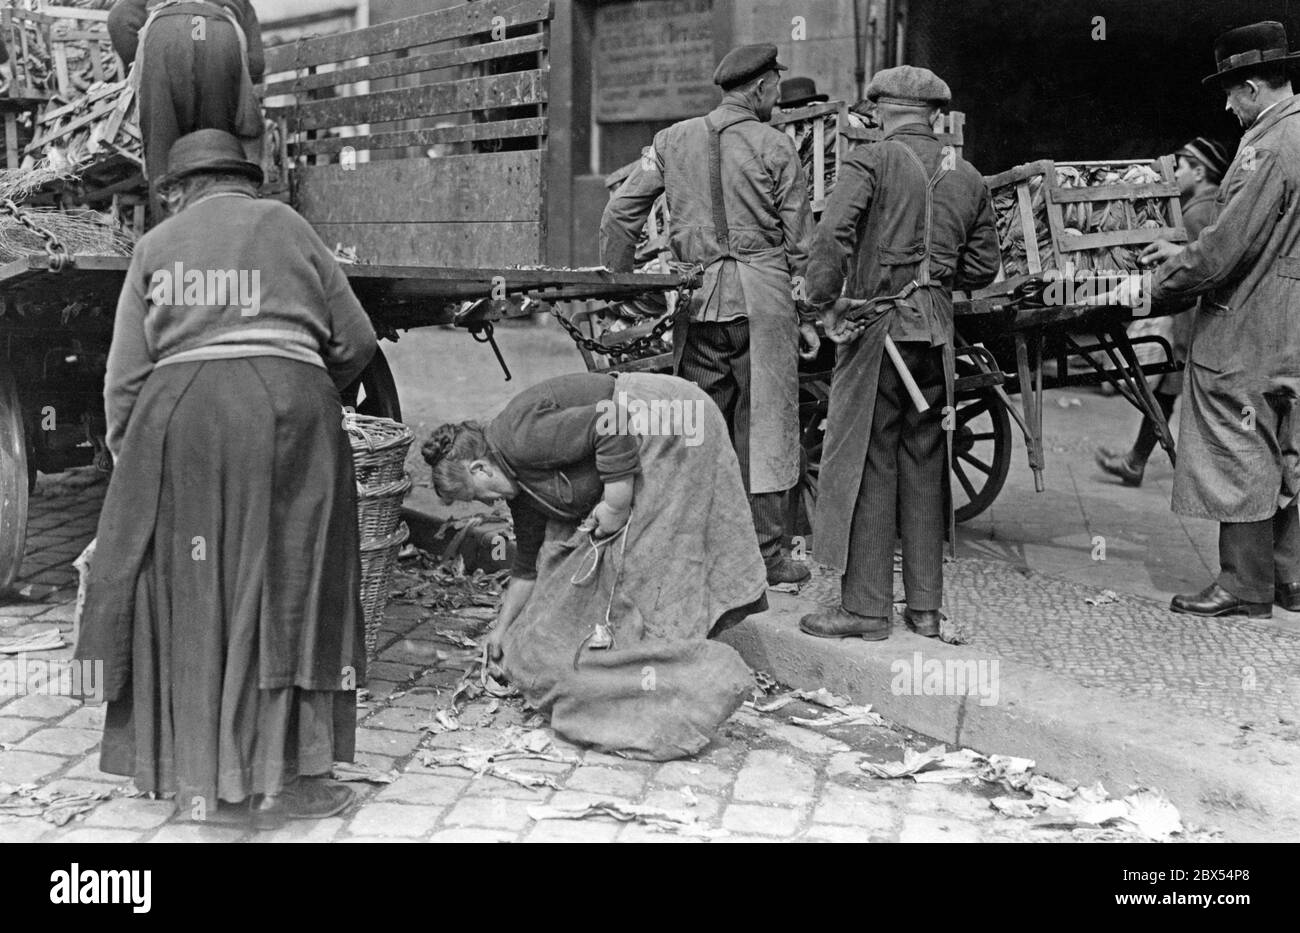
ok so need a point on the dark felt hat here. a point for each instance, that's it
(1249, 47)
(745, 62)
(796, 92)
(208, 151)
(1210, 153)
(908, 86)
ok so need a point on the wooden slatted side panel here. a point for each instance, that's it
(423, 140)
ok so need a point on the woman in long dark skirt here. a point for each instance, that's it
(223, 597)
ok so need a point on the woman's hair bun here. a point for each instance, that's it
(439, 444)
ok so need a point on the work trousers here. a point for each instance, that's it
(902, 492)
(1256, 556)
(716, 358)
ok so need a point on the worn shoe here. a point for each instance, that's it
(840, 623)
(786, 570)
(1119, 464)
(924, 622)
(1214, 600)
(1287, 595)
(304, 799)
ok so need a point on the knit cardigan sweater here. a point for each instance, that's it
(231, 276)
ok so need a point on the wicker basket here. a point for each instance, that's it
(379, 447)
(379, 508)
(378, 560)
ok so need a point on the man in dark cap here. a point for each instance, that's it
(738, 207)
(1237, 443)
(909, 218)
(1201, 164)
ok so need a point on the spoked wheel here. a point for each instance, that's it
(14, 479)
(375, 391)
(981, 452)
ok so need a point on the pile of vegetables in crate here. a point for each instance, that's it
(80, 135)
(1096, 234)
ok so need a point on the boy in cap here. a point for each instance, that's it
(1201, 164)
(739, 208)
(908, 215)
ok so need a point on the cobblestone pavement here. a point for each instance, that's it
(764, 778)
(62, 516)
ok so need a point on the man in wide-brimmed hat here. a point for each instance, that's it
(1237, 457)
(799, 92)
(738, 206)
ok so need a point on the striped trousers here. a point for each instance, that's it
(903, 493)
(716, 358)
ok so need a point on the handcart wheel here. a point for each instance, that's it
(14, 479)
(981, 450)
(375, 391)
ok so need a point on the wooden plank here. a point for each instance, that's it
(488, 187)
(395, 67)
(811, 111)
(465, 132)
(505, 90)
(446, 244)
(1020, 173)
(1120, 238)
(1113, 192)
(468, 19)
(1033, 260)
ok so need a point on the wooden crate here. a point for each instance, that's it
(58, 51)
(825, 133)
(361, 109)
(1062, 247)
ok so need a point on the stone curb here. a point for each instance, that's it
(1072, 732)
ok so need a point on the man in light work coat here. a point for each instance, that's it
(1237, 452)
(904, 210)
(738, 206)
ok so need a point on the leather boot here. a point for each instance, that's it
(785, 570)
(1287, 595)
(1121, 465)
(924, 622)
(304, 799)
(1214, 600)
(840, 623)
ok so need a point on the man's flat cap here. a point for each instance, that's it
(908, 86)
(745, 62)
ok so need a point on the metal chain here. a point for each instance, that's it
(57, 253)
(634, 347)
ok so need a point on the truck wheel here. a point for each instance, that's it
(14, 479)
(375, 391)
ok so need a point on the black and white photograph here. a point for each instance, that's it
(644, 421)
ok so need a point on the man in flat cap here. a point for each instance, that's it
(738, 206)
(907, 216)
(1237, 442)
(1200, 165)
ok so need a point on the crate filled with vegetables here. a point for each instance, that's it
(1082, 217)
